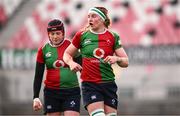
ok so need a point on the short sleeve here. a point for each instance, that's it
(39, 57)
(77, 40)
(118, 43)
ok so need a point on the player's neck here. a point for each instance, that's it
(98, 31)
(56, 45)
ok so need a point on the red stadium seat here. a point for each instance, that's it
(161, 32)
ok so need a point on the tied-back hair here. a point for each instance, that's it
(107, 21)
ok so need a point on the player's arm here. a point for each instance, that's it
(37, 105)
(122, 58)
(68, 58)
(78, 58)
(39, 71)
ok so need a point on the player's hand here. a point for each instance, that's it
(75, 66)
(111, 59)
(37, 105)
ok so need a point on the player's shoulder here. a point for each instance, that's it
(81, 32)
(67, 41)
(41, 46)
(115, 34)
(46, 44)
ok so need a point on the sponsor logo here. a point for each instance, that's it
(95, 61)
(98, 53)
(58, 64)
(48, 54)
(87, 41)
(17, 59)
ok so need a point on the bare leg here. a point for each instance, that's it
(110, 110)
(96, 109)
(54, 114)
(71, 113)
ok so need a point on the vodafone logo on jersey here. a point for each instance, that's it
(98, 53)
(58, 64)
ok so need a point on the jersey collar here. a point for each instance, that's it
(98, 33)
(56, 45)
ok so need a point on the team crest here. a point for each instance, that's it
(58, 64)
(72, 103)
(108, 42)
(98, 53)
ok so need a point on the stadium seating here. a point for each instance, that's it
(142, 23)
(7, 9)
(3, 16)
(144, 88)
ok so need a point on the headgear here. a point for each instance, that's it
(55, 25)
(98, 12)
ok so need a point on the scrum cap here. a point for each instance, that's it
(55, 25)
